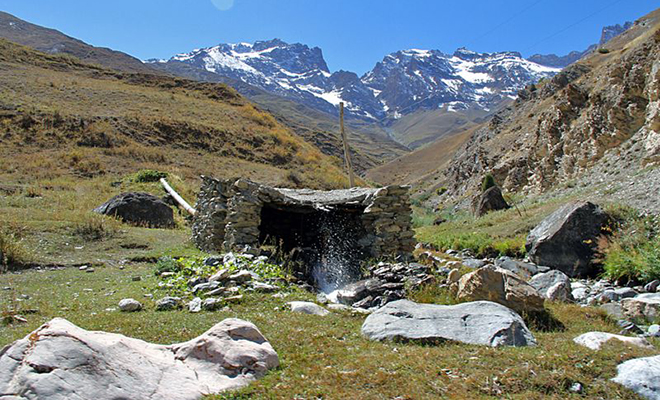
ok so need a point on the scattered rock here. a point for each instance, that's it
(644, 306)
(501, 286)
(130, 305)
(576, 387)
(263, 287)
(138, 208)
(652, 286)
(567, 238)
(220, 276)
(66, 362)
(614, 310)
(454, 276)
(594, 340)
(625, 293)
(490, 200)
(653, 330)
(556, 280)
(168, 303)
(212, 304)
(306, 307)
(195, 305)
(473, 263)
(242, 276)
(136, 278)
(520, 268)
(205, 287)
(641, 375)
(481, 322)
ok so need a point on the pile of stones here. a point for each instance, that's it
(386, 282)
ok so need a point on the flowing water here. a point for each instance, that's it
(338, 256)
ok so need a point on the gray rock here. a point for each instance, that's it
(520, 268)
(614, 310)
(594, 340)
(553, 279)
(652, 286)
(306, 307)
(220, 276)
(129, 305)
(641, 375)
(489, 200)
(580, 294)
(653, 330)
(195, 305)
(607, 296)
(481, 322)
(644, 306)
(168, 303)
(566, 239)
(625, 292)
(454, 276)
(205, 287)
(474, 263)
(212, 304)
(137, 208)
(66, 362)
(263, 287)
(242, 276)
(356, 291)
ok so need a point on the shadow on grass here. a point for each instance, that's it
(543, 321)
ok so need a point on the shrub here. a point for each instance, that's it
(488, 182)
(148, 175)
(603, 51)
(12, 253)
(166, 264)
(95, 227)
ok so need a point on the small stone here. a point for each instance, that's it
(167, 274)
(89, 270)
(652, 286)
(83, 267)
(625, 293)
(576, 387)
(234, 299)
(263, 287)
(594, 340)
(242, 276)
(211, 304)
(220, 276)
(130, 305)
(136, 278)
(454, 276)
(306, 307)
(205, 287)
(195, 305)
(654, 330)
(168, 303)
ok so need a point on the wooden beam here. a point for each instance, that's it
(177, 198)
(347, 150)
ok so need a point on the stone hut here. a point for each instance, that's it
(240, 215)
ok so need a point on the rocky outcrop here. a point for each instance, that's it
(566, 240)
(500, 286)
(641, 375)
(60, 361)
(643, 306)
(482, 323)
(490, 200)
(560, 129)
(138, 208)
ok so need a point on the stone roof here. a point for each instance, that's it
(323, 197)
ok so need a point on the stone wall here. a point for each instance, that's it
(229, 215)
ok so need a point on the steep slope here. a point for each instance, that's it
(603, 109)
(59, 115)
(54, 42)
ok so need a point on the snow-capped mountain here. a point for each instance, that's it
(402, 83)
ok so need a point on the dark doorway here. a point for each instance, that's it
(327, 242)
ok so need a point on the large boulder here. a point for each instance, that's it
(482, 322)
(138, 208)
(61, 361)
(566, 240)
(641, 375)
(500, 286)
(490, 200)
(553, 285)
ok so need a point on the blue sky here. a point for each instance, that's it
(354, 34)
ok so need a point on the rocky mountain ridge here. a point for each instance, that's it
(402, 83)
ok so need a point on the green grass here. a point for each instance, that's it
(633, 253)
(327, 357)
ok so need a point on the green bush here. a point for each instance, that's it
(94, 227)
(634, 250)
(603, 51)
(488, 182)
(166, 264)
(12, 253)
(148, 175)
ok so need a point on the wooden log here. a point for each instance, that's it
(177, 198)
(347, 150)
